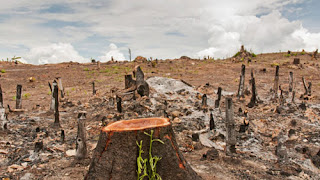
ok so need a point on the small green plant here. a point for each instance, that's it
(86, 69)
(148, 167)
(85, 92)
(73, 89)
(27, 95)
(274, 64)
(287, 55)
(3, 71)
(303, 53)
(14, 98)
(253, 55)
(237, 54)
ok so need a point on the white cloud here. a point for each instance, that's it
(114, 53)
(154, 28)
(54, 53)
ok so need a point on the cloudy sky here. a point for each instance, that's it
(52, 31)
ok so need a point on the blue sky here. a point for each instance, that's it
(43, 31)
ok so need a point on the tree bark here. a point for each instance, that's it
(276, 83)
(94, 92)
(56, 107)
(305, 86)
(116, 153)
(253, 100)
(142, 86)
(217, 102)
(230, 126)
(290, 81)
(60, 86)
(81, 145)
(54, 85)
(129, 82)
(18, 97)
(241, 82)
(1, 97)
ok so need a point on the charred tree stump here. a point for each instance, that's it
(230, 126)
(62, 136)
(111, 102)
(18, 97)
(276, 83)
(56, 107)
(119, 106)
(54, 85)
(290, 81)
(204, 103)
(60, 86)
(1, 97)
(116, 153)
(129, 82)
(293, 95)
(94, 92)
(309, 88)
(3, 118)
(254, 91)
(241, 82)
(305, 86)
(81, 145)
(296, 61)
(142, 86)
(212, 125)
(217, 102)
(50, 87)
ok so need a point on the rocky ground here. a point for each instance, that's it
(281, 141)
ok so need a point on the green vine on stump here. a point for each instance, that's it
(148, 167)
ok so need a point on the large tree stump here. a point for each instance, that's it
(217, 102)
(116, 153)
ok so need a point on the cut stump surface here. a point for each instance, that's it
(115, 156)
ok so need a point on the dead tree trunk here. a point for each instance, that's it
(290, 81)
(217, 102)
(54, 85)
(241, 82)
(3, 118)
(309, 88)
(62, 136)
(305, 86)
(56, 107)
(254, 91)
(117, 153)
(81, 145)
(142, 86)
(50, 87)
(129, 54)
(119, 106)
(18, 97)
(99, 65)
(94, 92)
(129, 82)
(212, 125)
(204, 103)
(1, 97)
(230, 126)
(60, 86)
(276, 83)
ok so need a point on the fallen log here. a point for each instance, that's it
(121, 146)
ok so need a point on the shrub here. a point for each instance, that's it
(3, 71)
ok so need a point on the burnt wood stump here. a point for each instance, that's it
(276, 83)
(116, 153)
(296, 61)
(18, 97)
(241, 82)
(217, 102)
